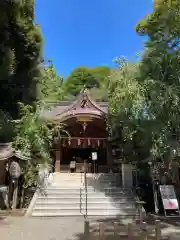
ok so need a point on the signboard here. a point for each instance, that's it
(73, 164)
(169, 198)
(170, 204)
(94, 156)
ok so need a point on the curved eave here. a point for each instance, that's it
(76, 104)
(62, 118)
(14, 154)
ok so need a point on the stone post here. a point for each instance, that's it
(57, 160)
(127, 175)
(139, 209)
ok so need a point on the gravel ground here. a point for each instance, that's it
(20, 228)
(65, 228)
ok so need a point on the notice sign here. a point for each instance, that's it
(169, 197)
(170, 204)
(94, 156)
(72, 164)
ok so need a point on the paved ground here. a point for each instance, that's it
(20, 228)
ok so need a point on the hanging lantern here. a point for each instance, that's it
(84, 121)
(84, 126)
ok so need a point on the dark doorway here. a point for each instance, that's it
(81, 154)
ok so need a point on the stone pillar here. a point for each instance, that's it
(127, 176)
(57, 160)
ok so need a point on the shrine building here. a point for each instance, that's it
(85, 121)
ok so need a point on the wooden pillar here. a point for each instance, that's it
(57, 160)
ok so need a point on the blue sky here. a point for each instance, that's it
(90, 32)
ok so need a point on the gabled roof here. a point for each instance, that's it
(83, 105)
(7, 151)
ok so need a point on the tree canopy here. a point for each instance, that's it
(20, 52)
(144, 98)
(92, 78)
(50, 84)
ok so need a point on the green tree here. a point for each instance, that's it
(34, 139)
(20, 50)
(50, 85)
(159, 74)
(101, 73)
(81, 77)
(128, 116)
(99, 94)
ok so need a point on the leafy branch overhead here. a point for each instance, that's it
(144, 97)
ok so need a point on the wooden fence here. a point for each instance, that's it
(117, 232)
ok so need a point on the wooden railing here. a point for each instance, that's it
(116, 231)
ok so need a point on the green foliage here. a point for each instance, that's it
(20, 50)
(144, 100)
(34, 139)
(127, 114)
(101, 73)
(85, 77)
(25, 85)
(99, 94)
(78, 79)
(159, 72)
(30, 173)
(50, 85)
(163, 22)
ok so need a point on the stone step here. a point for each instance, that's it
(113, 188)
(96, 204)
(67, 194)
(89, 190)
(56, 214)
(70, 200)
(76, 212)
(91, 215)
(76, 208)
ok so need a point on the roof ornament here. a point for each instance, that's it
(84, 99)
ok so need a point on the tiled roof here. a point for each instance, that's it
(72, 108)
(7, 151)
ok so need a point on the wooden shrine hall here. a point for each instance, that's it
(85, 121)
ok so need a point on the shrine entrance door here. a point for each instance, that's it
(79, 155)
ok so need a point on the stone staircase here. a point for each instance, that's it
(66, 196)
